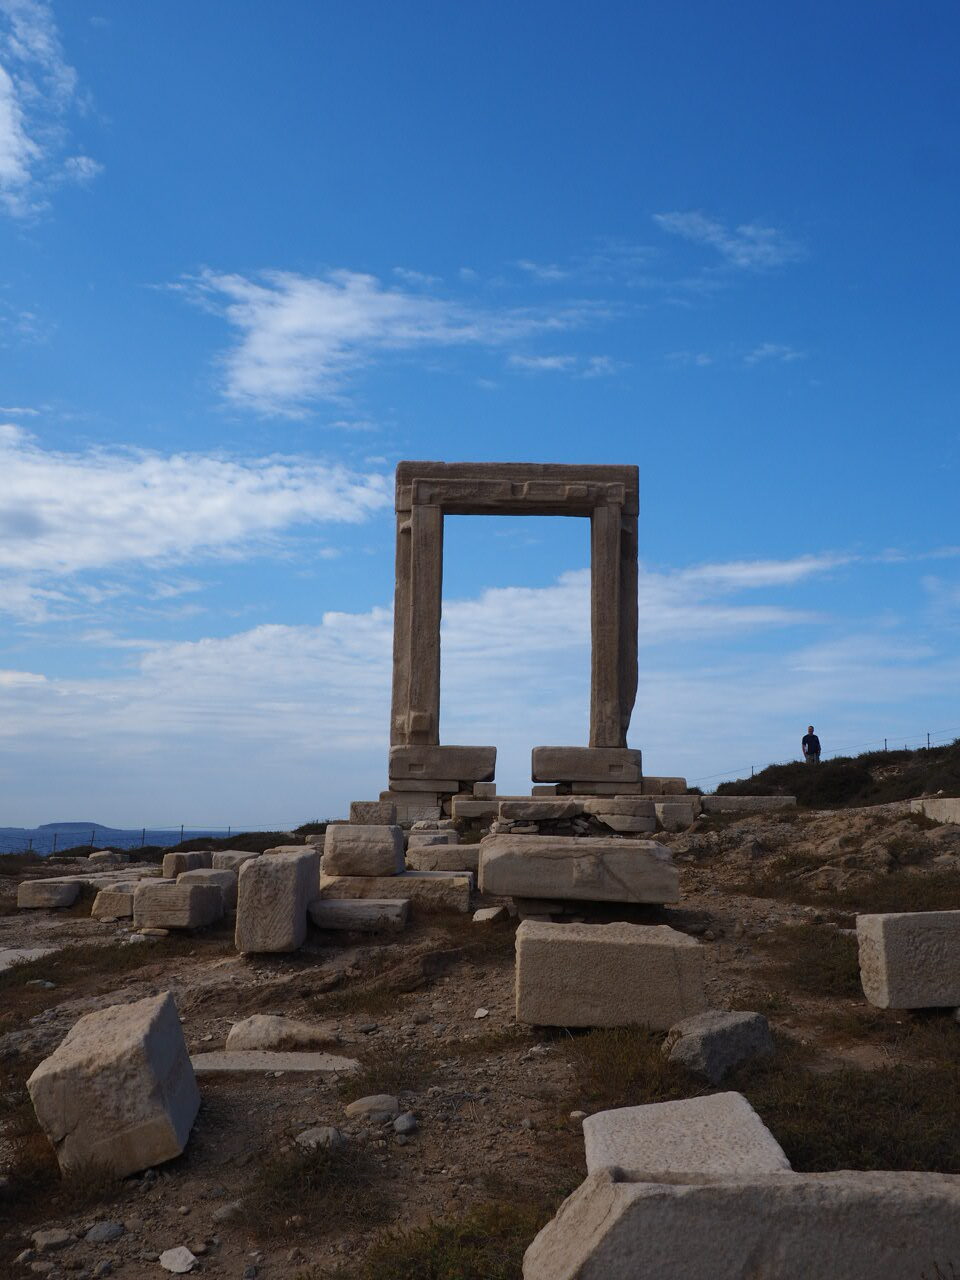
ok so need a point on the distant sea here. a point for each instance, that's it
(55, 836)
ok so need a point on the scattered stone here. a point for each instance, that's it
(179, 1260)
(406, 1123)
(377, 1108)
(227, 1212)
(482, 1013)
(364, 915)
(113, 903)
(426, 890)
(861, 1226)
(104, 1232)
(262, 1060)
(326, 1136)
(119, 1091)
(272, 902)
(231, 859)
(713, 1043)
(47, 893)
(910, 960)
(719, 1135)
(52, 1239)
(41, 982)
(490, 915)
(606, 975)
(578, 1117)
(224, 879)
(176, 906)
(269, 1031)
(363, 851)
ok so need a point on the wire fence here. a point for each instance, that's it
(43, 841)
(893, 742)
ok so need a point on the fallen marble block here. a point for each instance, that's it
(119, 1091)
(272, 900)
(425, 890)
(231, 859)
(107, 858)
(362, 915)
(593, 869)
(221, 1060)
(270, 1031)
(607, 975)
(47, 893)
(224, 880)
(675, 814)
(719, 1136)
(491, 915)
(115, 901)
(176, 863)
(363, 851)
(713, 1043)
(457, 857)
(176, 906)
(910, 960)
(373, 813)
(780, 1226)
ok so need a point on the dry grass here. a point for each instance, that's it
(928, 1036)
(815, 959)
(386, 1067)
(896, 890)
(311, 1192)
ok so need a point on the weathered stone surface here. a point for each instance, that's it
(545, 809)
(490, 915)
(674, 815)
(435, 786)
(47, 893)
(231, 859)
(176, 863)
(485, 790)
(910, 960)
(363, 851)
(594, 869)
(430, 839)
(656, 787)
(861, 1226)
(719, 1136)
(272, 900)
(586, 764)
(270, 1031)
(10, 956)
(363, 915)
(412, 805)
(264, 1060)
(426, 890)
(714, 1042)
(323, 1136)
(176, 906)
(108, 858)
(376, 1107)
(607, 975)
(475, 807)
(544, 789)
(299, 848)
(746, 804)
(373, 813)
(468, 764)
(456, 857)
(627, 806)
(225, 881)
(116, 902)
(938, 808)
(179, 1260)
(625, 825)
(119, 1091)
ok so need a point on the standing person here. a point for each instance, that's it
(811, 746)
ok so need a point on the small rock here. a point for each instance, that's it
(714, 1042)
(26, 1256)
(104, 1232)
(377, 1108)
(41, 982)
(250, 1273)
(183, 1210)
(179, 1260)
(482, 1013)
(406, 1123)
(54, 1238)
(490, 915)
(578, 1116)
(367, 1028)
(103, 1268)
(151, 931)
(325, 1136)
(526, 1123)
(42, 1268)
(421, 1018)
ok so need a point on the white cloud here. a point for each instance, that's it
(299, 337)
(750, 245)
(700, 359)
(543, 270)
(777, 352)
(65, 513)
(38, 89)
(542, 364)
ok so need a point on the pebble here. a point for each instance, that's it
(482, 1013)
(420, 1018)
(53, 1238)
(578, 1116)
(325, 1136)
(104, 1232)
(406, 1123)
(179, 1260)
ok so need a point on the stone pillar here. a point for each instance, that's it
(416, 637)
(605, 718)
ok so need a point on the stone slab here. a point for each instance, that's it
(425, 890)
(473, 807)
(413, 805)
(119, 1091)
(657, 787)
(587, 764)
(231, 859)
(361, 915)
(177, 906)
(607, 975)
(485, 790)
(219, 1060)
(592, 869)
(272, 900)
(363, 851)
(781, 1226)
(715, 1042)
(625, 825)
(47, 893)
(224, 879)
(10, 956)
(108, 858)
(910, 960)
(746, 804)
(457, 857)
(430, 839)
(546, 809)
(627, 806)
(544, 789)
(468, 764)
(720, 1135)
(372, 813)
(938, 808)
(674, 815)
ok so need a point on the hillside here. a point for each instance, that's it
(876, 777)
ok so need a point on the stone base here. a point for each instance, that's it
(363, 851)
(457, 857)
(468, 764)
(586, 764)
(607, 975)
(413, 805)
(591, 869)
(425, 890)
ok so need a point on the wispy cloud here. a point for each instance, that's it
(581, 366)
(542, 364)
(750, 245)
(38, 90)
(543, 270)
(300, 337)
(773, 352)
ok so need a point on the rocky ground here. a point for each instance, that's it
(429, 1014)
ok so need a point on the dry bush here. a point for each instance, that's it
(386, 1067)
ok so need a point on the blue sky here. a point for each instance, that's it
(251, 256)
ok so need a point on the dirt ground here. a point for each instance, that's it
(772, 898)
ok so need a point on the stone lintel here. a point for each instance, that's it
(516, 488)
(586, 764)
(420, 761)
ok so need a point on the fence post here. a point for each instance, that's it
(884, 744)
(928, 742)
(30, 845)
(181, 833)
(92, 834)
(54, 849)
(229, 829)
